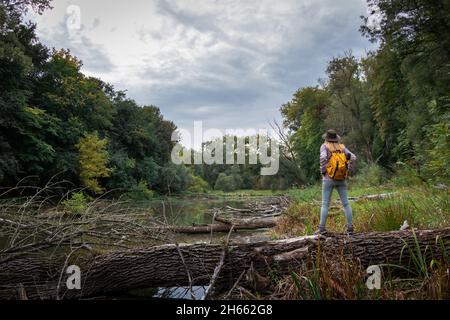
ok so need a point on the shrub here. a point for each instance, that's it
(238, 181)
(370, 175)
(225, 183)
(405, 175)
(173, 179)
(436, 168)
(77, 203)
(198, 185)
(140, 192)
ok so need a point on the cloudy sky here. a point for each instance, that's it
(229, 63)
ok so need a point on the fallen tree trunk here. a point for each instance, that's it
(380, 196)
(267, 208)
(167, 265)
(370, 197)
(269, 220)
(225, 225)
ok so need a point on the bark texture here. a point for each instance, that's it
(225, 225)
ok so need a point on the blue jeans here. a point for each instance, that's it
(327, 189)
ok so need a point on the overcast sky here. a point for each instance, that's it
(229, 63)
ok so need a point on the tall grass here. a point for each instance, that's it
(336, 277)
(327, 278)
(422, 205)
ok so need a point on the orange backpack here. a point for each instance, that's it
(337, 168)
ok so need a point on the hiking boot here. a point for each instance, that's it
(350, 230)
(321, 231)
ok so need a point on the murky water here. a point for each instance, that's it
(194, 293)
(189, 211)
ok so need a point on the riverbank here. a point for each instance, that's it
(33, 228)
(417, 206)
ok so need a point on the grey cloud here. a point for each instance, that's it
(95, 23)
(94, 57)
(202, 23)
(206, 23)
(327, 29)
(242, 68)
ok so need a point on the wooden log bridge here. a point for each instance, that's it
(194, 264)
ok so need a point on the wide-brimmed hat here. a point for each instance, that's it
(331, 136)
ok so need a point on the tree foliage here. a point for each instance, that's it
(390, 106)
(305, 115)
(50, 111)
(225, 183)
(93, 161)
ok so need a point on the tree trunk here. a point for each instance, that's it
(225, 226)
(167, 265)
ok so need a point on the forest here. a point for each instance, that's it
(391, 107)
(85, 163)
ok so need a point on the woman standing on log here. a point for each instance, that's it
(335, 164)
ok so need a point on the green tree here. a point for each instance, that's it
(93, 161)
(436, 155)
(122, 171)
(23, 126)
(198, 185)
(47, 104)
(140, 192)
(305, 115)
(389, 101)
(411, 76)
(350, 110)
(173, 179)
(225, 183)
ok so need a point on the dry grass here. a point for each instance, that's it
(41, 219)
(337, 278)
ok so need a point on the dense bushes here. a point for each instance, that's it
(198, 185)
(370, 175)
(225, 183)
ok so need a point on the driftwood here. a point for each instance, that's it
(35, 277)
(255, 215)
(273, 206)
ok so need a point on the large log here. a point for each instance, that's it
(194, 264)
(224, 226)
